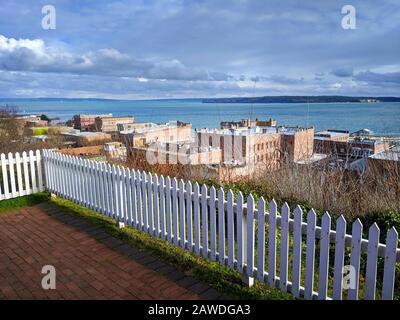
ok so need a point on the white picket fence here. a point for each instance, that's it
(20, 175)
(265, 245)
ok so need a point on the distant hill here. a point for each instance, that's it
(301, 99)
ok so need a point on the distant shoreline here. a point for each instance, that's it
(264, 99)
(303, 99)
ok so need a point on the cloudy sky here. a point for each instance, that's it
(135, 49)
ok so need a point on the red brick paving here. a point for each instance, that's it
(90, 264)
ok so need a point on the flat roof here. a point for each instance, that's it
(329, 134)
(287, 130)
(392, 154)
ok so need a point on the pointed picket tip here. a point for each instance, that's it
(298, 211)
(272, 205)
(311, 215)
(203, 188)
(261, 206)
(196, 186)
(189, 185)
(374, 228)
(250, 199)
(341, 221)
(393, 231)
(181, 182)
(230, 195)
(212, 191)
(357, 225)
(155, 178)
(285, 207)
(326, 216)
(240, 196)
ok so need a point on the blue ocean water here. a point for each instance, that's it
(382, 118)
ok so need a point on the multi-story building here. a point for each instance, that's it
(172, 131)
(259, 147)
(385, 162)
(110, 124)
(340, 145)
(86, 122)
(115, 150)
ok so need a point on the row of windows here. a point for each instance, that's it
(268, 144)
(268, 156)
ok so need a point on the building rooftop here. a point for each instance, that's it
(392, 154)
(287, 130)
(83, 133)
(151, 127)
(328, 134)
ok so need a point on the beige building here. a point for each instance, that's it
(172, 131)
(115, 150)
(82, 139)
(86, 122)
(110, 124)
(249, 150)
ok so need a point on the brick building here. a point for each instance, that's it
(86, 122)
(110, 124)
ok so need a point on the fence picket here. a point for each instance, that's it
(12, 175)
(189, 216)
(175, 217)
(128, 196)
(139, 200)
(162, 207)
(356, 235)
(182, 220)
(33, 172)
(213, 225)
(297, 250)
(261, 240)
(150, 201)
(26, 174)
(241, 231)
(250, 236)
(284, 254)
(5, 176)
(168, 215)
(310, 255)
(134, 177)
(204, 221)
(221, 226)
(196, 214)
(39, 168)
(20, 187)
(324, 256)
(272, 243)
(145, 223)
(339, 258)
(370, 276)
(231, 228)
(156, 206)
(389, 271)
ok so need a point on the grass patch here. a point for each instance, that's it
(216, 276)
(20, 202)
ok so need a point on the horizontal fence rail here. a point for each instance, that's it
(287, 250)
(20, 174)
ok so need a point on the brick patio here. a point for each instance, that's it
(90, 264)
